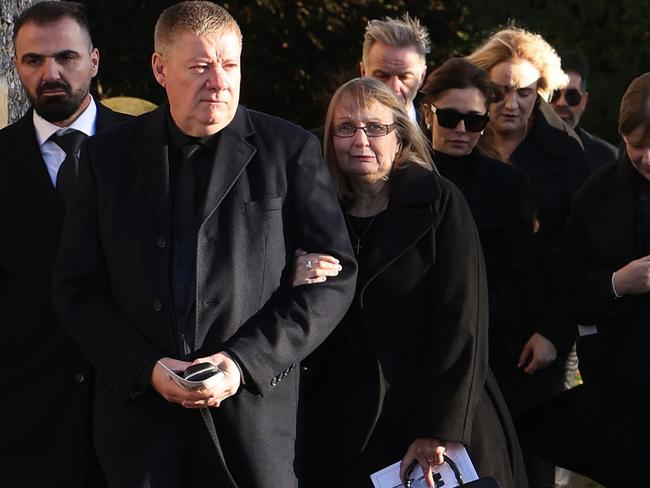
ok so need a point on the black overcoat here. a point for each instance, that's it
(269, 193)
(499, 197)
(606, 230)
(51, 431)
(421, 367)
(554, 161)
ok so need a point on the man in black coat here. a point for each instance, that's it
(45, 423)
(178, 249)
(570, 104)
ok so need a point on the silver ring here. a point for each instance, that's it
(309, 265)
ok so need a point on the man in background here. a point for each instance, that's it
(45, 437)
(394, 52)
(570, 104)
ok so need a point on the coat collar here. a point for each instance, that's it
(231, 157)
(413, 209)
(150, 152)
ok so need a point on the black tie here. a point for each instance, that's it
(70, 141)
(185, 193)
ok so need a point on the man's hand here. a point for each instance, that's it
(537, 353)
(226, 387)
(168, 389)
(634, 277)
(427, 452)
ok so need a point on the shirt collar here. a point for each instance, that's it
(178, 138)
(84, 123)
(413, 115)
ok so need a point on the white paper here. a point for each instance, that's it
(389, 477)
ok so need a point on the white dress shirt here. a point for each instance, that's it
(53, 155)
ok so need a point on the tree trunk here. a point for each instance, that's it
(13, 102)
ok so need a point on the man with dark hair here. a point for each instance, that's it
(45, 437)
(570, 103)
(178, 250)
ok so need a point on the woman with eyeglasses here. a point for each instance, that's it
(405, 373)
(455, 103)
(603, 280)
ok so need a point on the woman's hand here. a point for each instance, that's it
(313, 267)
(427, 452)
(634, 277)
(537, 353)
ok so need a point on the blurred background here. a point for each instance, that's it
(297, 52)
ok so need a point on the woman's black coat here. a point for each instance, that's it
(553, 159)
(411, 358)
(499, 197)
(606, 230)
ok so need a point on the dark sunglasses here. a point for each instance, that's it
(572, 96)
(449, 118)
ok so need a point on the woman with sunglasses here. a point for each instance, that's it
(405, 373)
(456, 101)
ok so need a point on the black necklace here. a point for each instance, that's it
(358, 237)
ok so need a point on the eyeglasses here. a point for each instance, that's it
(572, 96)
(372, 130)
(449, 118)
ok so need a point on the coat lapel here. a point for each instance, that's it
(150, 153)
(411, 213)
(31, 167)
(232, 154)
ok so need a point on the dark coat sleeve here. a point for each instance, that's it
(582, 278)
(452, 382)
(297, 319)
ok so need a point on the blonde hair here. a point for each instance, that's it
(518, 45)
(362, 93)
(198, 17)
(635, 109)
(406, 31)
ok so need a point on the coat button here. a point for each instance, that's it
(157, 305)
(292, 367)
(274, 382)
(162, 242)
(79, 378)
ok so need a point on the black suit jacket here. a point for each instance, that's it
(46, 403)
(598, 151)
(269, 193)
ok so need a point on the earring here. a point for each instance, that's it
(483, 132)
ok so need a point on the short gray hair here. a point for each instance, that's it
(198, 17)
(403, 32)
